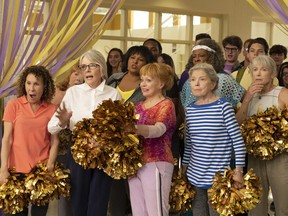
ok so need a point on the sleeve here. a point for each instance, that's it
(231, 90)
(151, 131)
(188, 145)
(235, 135)
(167, 114)
(118, 96)
(186, 95)
(164, 120)
(10, 111)
(53, 124)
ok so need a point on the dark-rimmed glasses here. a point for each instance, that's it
(92, 66)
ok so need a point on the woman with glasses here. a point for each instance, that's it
(89, 187)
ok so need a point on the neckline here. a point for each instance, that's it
(145, 107)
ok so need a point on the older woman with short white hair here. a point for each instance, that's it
(211, 134)
(262, 94)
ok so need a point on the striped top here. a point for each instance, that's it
(211, 133)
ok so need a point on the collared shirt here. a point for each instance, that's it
(31, 139)
(82, 100)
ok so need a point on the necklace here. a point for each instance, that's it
(263, 94)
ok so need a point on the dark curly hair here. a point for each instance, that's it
(216, 59)
(39, 72)
(141, 50)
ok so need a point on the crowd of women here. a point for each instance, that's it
(210, 101)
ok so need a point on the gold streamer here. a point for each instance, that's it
(59, 33)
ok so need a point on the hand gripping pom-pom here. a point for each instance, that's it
(43, 186)
(13, 198)
(227, 200)
(118, 150)
(181, 193)
(266, 134)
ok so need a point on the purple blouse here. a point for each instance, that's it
(158, 149)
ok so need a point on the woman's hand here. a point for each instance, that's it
(63, 115)
(93, 143)
(4, 174)
(254, 88)
(50, 167)
(238, 179)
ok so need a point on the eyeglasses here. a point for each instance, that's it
(227, 49)
(91, 66)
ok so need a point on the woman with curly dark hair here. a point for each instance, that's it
(208, 51)
(26, 140)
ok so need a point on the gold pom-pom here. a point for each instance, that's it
(117, 149)
(64, 139)
(13, 198)
(116, 132)
(84, 134)
(181, 193)
(265, 134)
(227, 200)
(43, 186)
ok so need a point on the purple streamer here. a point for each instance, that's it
(16, 44)
(19, 67)
(5, 37)
(60, 58)
(29, 58)
(276, 7)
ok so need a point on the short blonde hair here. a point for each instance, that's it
(162, 71)
(266, 62)
(209, 70)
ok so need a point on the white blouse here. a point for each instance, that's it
(82, 100)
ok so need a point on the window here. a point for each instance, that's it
(176, 32)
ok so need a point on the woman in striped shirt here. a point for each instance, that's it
(211, 133)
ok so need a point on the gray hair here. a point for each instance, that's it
(209, 70)
(96, 57)
(266, 62)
